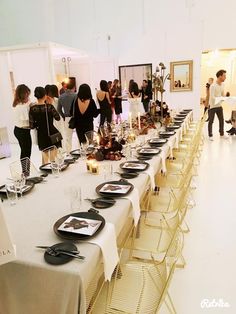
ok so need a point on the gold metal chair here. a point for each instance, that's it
(142, 286)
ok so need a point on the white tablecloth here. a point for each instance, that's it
(29, 285)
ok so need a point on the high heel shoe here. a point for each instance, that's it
(232, 131)
(228, 121)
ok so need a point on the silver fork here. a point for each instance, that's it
(56, 252)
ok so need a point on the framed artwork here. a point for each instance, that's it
(181, 76)
(137, 72)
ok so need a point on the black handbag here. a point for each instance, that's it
(56, 137)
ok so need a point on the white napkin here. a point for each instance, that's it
(134, 199)
(7, 248)
(106, 239)
(163, 161)
(150, 172)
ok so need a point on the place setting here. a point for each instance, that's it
(157, 142)
(15, 188)
(61, 253)
(166, 134)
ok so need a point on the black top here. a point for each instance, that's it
(104, 104)
(38, 120)
(85, 120)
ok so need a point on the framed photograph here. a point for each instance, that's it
(181, 76)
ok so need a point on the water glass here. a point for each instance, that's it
(75, 197)
(11, 191)
(55, 169)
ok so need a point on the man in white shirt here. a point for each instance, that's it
(215, 107)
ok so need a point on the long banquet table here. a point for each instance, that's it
(30, 285)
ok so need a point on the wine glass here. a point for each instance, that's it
(19, 182)
(75, 197)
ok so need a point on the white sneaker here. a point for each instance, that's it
(224, 137)
(211, 138)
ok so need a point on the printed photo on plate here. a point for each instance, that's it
(132, 165)
(80, 225)
(115, 188)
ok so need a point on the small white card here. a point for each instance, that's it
(148, 151)
(115, 188)
(80, 225)
(132, 165)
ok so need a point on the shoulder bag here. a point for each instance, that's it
(56, 137)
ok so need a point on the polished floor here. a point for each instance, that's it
(209, 276)
(209, 250)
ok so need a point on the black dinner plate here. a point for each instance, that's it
(60, 259)
(76, 236)
(125, 166)
(178, 118)
(182, 114)
(144, 157)
(103, 202)
(187, 110)
(120, 182)
(34, 180)
(157, 142)
(129, 175)
(166, 134)
(26, 189)
(172, 127)
(147, 151)
(47, 167)
(75, 152)
(178, 122)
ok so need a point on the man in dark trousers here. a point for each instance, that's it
(64, 105)
(215, 106)
(146, 94)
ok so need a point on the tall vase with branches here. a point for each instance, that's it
(158, 79)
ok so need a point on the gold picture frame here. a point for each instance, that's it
(181, 76)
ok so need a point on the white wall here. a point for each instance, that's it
(140, 30)
(31, 67)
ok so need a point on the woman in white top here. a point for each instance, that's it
(21, 116)
(135, 101)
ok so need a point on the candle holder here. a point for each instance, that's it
(95, 168)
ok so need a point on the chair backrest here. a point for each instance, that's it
(24, 166)
(138, 289)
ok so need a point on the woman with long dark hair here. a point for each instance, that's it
(135, 101)
(21, 105)
(105, 103)
(84, 110)
(117, 99)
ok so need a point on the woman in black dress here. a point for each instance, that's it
(105, 103)
(84, 110)
(41, 117)
(117, 99)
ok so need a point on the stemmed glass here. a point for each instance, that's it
(19, 183)
(75, 197)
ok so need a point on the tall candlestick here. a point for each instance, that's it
(98, 140)
(130, 120)
(139, 123)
